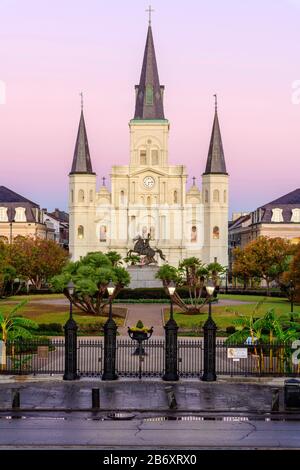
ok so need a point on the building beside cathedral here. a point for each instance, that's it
(150, 195)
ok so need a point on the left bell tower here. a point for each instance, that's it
(82, 196)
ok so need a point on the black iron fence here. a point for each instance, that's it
(47, 356)
(277, 359)
(35, 356)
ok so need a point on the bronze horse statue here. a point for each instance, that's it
(142, 247)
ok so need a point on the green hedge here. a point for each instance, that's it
(150, 293)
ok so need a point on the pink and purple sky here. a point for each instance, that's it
(245, 51)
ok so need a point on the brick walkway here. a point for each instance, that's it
(150, 314)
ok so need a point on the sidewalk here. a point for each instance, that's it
(141, 396)
(150, 314)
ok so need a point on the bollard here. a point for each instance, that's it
(15, 398)
(275, 400)
(171, 398)
(95, 398)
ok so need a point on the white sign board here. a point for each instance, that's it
(237, 353)
(2, 353)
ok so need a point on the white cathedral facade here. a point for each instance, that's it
(149, 196)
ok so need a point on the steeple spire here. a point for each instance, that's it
(215, 163)
(81, 159)
(149, 93)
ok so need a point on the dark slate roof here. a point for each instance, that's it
(215, 160)
(59, 215)
(287, 203)
(290, 198)
(81, 160)
(149, 78)
(9, 196)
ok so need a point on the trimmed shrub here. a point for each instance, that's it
(230, 330)
(90, 328)
(53, 327)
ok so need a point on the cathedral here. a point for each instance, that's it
(149, 196)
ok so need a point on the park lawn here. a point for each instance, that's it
(47, 313)
(253, 298)
(225, 314)
(30, 297)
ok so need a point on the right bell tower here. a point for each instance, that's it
(215, 185)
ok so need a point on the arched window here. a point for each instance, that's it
(91, 195)
(225, 196)
(206, 196)
(103, 231)
(175, 197)
(194, 234)
(20, 215)
(148, 201)
(72, 196)
(216, 232)
(277, 215)
(216, 195)
(122, 197)
(80, 195)
(3, 214)
(143, 157)
(80, 232)
(295, 215)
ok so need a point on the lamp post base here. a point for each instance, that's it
(109, 376)
(209, 377)
(70, 376)
(171, 377)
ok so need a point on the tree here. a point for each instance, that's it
(114, 257)
(243, 265)
(265, 258)
(193, 275)
(91, 276)
(7, 272)
(13, 326)
(293, 274)
(132, 259)
(37, 260)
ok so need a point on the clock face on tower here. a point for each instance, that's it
(149, 182)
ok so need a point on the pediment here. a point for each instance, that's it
(148, 170)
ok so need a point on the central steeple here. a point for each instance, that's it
(149, 93)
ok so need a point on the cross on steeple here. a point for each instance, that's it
(194, 181)
(81, 94)
(103, 181)
(149, 11)
(216, 102)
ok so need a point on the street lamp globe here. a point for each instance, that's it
(171, 288)
(110, 288)
(210, 290)
(71, 288)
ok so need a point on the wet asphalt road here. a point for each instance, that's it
(81, 431)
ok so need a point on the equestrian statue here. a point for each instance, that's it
(142, 247)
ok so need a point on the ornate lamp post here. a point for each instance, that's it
(209, 328)
(70, 342)
(171, 328)
(11, 221)
(110, 341)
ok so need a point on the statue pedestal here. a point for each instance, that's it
(143, 277)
